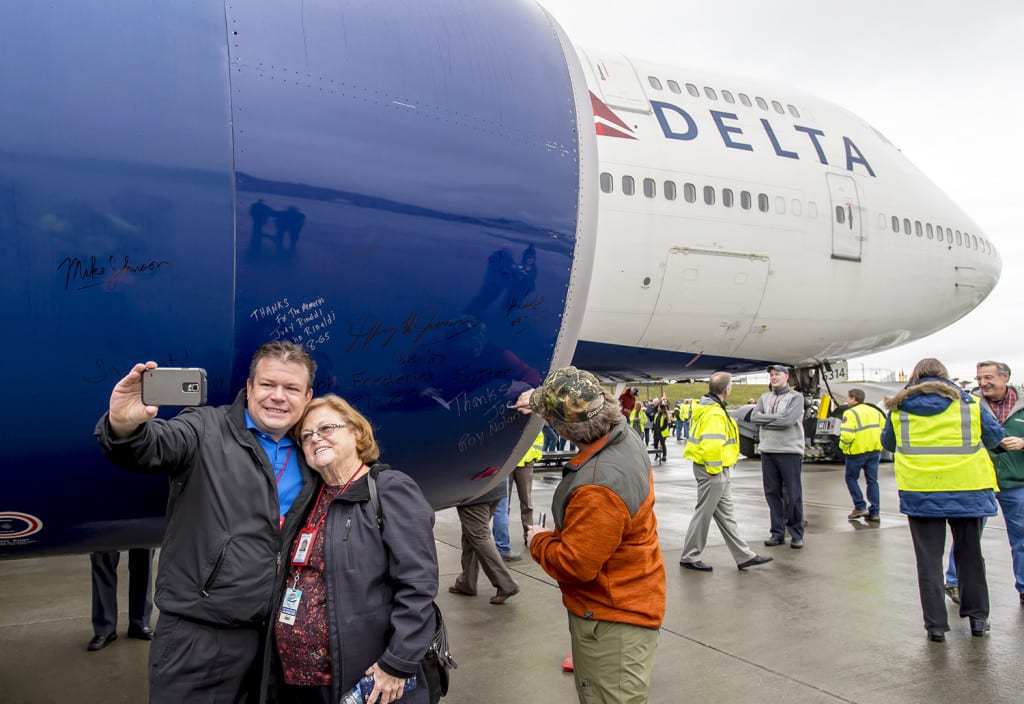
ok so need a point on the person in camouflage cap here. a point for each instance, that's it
(569, 394)
(603, 551)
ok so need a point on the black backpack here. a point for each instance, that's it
(438, 660)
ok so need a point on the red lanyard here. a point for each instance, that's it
(306, 541)
(286, 458)
(310, 525)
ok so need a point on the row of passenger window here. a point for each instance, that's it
(936, 232)
(727, 96)
(708, 194)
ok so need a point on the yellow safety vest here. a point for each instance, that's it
(714, 439)
(687, 409)
(535, 452)
(861, 430)
(637, 418)
(942, 452)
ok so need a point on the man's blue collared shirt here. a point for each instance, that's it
(289, 482)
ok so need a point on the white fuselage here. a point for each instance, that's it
(764, 233)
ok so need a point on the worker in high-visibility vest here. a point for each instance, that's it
(522, 478)
(660, 428)
(860, 439)
(714, 450)
(638, 419)
(677, 418)
(687, 413)
(939, 433)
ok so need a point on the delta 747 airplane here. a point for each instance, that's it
(442, 201)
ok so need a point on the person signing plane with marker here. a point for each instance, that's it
(604, 550)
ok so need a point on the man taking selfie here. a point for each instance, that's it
(234, 476)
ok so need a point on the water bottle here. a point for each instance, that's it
(353, 696)
(364, 688)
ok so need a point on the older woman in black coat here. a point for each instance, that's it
(358, 595)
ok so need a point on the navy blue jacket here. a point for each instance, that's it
(942, 504)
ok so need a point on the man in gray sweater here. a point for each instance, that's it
(779, 414)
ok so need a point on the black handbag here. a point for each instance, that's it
(438, 659)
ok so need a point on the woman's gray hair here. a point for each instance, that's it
(593, 429)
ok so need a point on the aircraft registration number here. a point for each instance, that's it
(838, 372)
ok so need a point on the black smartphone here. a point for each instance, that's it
(174, 386)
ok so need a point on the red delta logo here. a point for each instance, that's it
(606, 122)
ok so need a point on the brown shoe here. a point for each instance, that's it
(454, 589)
(858, 513)
(501, 597)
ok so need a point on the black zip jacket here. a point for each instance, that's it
(381, 583)
(221, 557)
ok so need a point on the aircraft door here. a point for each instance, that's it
(847, 235)
(617, 80)
(706, 295)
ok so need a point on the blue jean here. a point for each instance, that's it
(500, 528)
(679, 429)
(550, 438)
(867, 461)
(1012, 503)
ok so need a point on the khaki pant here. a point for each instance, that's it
(612, 661)
(714, 501)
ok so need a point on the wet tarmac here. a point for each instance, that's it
(838, 621)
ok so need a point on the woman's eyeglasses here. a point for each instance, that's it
(324, 431)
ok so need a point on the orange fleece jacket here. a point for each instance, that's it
(607, 563)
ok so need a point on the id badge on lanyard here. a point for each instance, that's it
(304, 546)
(290, 606)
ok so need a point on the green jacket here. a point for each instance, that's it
(1010, 465)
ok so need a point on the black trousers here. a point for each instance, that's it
(289, 694)
(659, 444)
(203, 664)
(784, 492)
(929, 536)
(104, 589)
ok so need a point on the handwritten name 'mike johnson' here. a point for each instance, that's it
(86, 273)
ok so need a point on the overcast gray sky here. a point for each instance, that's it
(941, 79)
